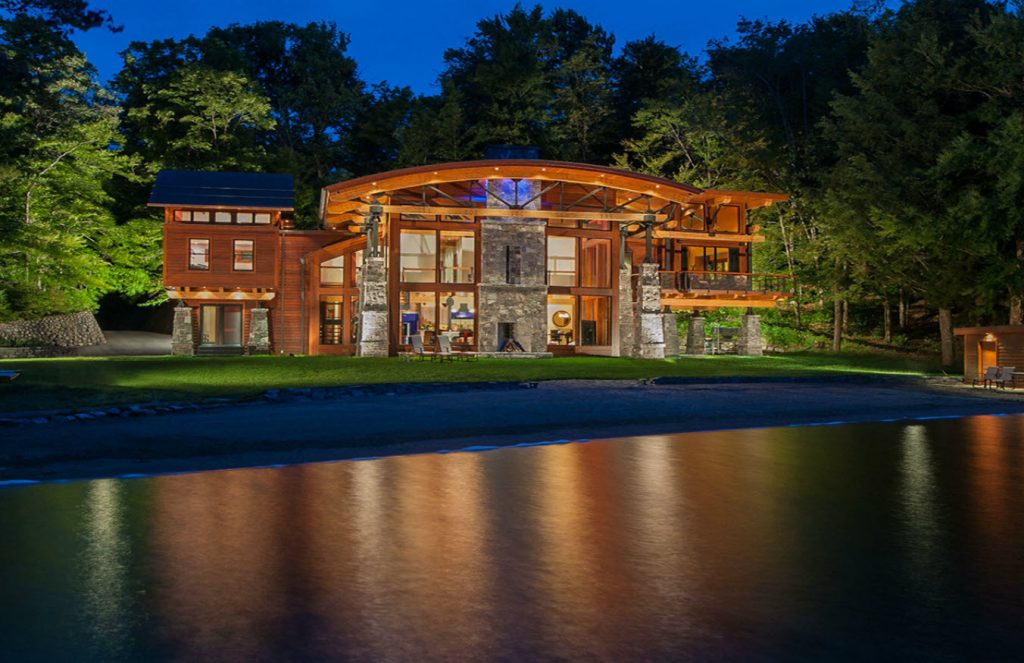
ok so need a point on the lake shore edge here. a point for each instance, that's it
(287, 433)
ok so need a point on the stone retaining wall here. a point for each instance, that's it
(70, 330)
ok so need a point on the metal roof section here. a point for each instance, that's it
(196, 188)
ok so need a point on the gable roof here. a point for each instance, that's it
(196, 188)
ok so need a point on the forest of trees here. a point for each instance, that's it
(899, 134)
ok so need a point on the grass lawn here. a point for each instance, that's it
(93, 381)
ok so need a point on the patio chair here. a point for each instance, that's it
(985, 380)
(10, 376)
(418, 350)
(1005, 377)
(444, 348)
(447, 351)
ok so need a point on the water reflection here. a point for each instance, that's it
(818, 542)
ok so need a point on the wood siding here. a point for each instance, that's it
(289, 319)
(221, 273)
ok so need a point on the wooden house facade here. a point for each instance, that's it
(542, 257)
(997, 345)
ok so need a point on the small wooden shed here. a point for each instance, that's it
(1000, 345)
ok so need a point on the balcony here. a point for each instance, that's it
(724, 288)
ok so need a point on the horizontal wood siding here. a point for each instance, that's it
(288, 319)
(971, 357)
(1011, 350)
(221, 273)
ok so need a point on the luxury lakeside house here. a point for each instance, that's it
(506, 255)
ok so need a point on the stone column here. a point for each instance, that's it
(671, 326)
(652, 329)
(373, 312)
(695, 334)
(259, 332)
(749, 340)
(181, 336)
(627, 314)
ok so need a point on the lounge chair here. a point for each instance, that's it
(10, 376)
(446, 350)
(418, 349)
(1005, 377)
(985, 380)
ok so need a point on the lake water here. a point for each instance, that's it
(892, 540)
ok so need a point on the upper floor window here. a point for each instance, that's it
(595, 263)
(562, 261)
(332, 272)
(199, 254)
(221, 216)
(418, 256)
(243, 255)
(458, 256)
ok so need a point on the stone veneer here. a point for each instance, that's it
(69, 330)
(522, 302)
(652, 329)
(627, 314)
(671, 333)
(259, 332)
(181, 336)
(695, 335)
(373, 312)
(749, 341)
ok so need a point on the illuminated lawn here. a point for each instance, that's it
(82, 382)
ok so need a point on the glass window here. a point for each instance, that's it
(458, 257)
(357, 262)
(199, 254)
(220, 325)
(243, 217)
(332, 320)
(458, 316)
(181, 215)
(222, 217)
(561, 320)
(332, 272)
(262, 217)
(243, 251)
(419, 316)
(562, 261)
(595, 263)
(353, 312)
(728, 219)
(201, 217)
(595, 321)
(418, 255)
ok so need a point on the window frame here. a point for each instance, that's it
(234, 256)
(209, 254)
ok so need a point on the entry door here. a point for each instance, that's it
(987, 356)
(221, 325)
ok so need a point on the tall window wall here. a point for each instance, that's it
(580, 287)
(337, 286)
(437, 266)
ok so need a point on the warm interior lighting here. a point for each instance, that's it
(989, 337)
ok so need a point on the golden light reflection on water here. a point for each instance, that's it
(734, 541)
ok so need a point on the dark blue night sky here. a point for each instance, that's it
(403, 41)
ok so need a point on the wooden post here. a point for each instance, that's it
(837, 320)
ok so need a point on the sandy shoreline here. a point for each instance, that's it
(258, 434)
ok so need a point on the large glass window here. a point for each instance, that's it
(458, 316)
(243, 255)
(595, 259)
(332, 272)
(562, 261)
(418, 255)
(220, 325)
(199, 254)
(728, 219)
(595, 320)
(561, 320)
(419, 316)
(458, 256)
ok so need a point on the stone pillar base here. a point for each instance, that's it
(259, 332)
(695, 335)
(749, 341)
(652, 325)
(671, 333)
(627, 314)
(181, 337)
(373, 318)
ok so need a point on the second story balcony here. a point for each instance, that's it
(725, 288)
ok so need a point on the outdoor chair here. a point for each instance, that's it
(444, 348)
(985, 380)
(447, 351)
(418, 349)
(1005, 377)
(10, 376)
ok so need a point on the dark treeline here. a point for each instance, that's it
(898, 133)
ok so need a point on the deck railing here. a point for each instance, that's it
(727, 282)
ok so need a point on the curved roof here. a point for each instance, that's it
(534, 169)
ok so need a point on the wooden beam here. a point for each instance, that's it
(707, 237)
(717, 302)
(477, 212)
